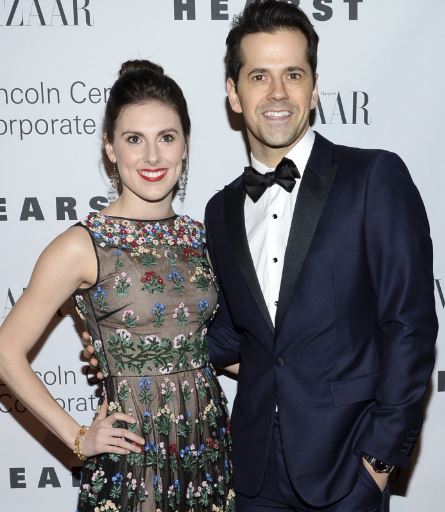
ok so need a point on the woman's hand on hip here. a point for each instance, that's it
(102, 437)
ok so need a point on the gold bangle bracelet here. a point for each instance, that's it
(80, 435)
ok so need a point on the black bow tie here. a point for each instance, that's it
(256, 183)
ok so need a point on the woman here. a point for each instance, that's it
(142, 285)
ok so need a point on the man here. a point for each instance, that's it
(324, 262)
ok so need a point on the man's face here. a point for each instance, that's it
(275, 92)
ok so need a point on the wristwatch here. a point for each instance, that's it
(377, 465)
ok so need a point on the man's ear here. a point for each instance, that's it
(109, 150)
(233, 96)
(314, 98)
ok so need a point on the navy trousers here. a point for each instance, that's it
(278, 495)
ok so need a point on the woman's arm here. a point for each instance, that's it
(65, 265)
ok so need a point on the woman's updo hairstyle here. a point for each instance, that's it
(141, 81)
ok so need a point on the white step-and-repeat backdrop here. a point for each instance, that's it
(381, 85)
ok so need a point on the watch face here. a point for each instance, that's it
(378, 466)
(381, 467)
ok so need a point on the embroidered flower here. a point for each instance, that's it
(158, 312)
(122, 284)
(201, 278)
(181, 314)
(130, 318)
(178, 281)
(203, 306)
(152, 283)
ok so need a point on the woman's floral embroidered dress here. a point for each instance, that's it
(147, 316)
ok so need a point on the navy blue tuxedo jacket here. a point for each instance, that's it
(350, 357)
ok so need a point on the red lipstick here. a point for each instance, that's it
(152, 175)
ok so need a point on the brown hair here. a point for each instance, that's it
(140, 81)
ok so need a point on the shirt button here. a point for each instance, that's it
(279, 361)
(275, 260)
(274, 216)
(276, 303)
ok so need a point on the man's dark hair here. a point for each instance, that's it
(268, 16)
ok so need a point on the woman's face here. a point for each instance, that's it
(148, 147)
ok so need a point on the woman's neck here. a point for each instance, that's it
(137, 208)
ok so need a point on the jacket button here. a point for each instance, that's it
(279, 361)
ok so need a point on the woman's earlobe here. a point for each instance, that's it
(109, 150)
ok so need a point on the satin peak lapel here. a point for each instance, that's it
(312, 195)
(234, 197)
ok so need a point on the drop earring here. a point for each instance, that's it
(182, 182)
(114, 177)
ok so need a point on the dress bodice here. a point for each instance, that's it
(154, 296)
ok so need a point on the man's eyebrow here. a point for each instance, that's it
(296, 68)
(257, 70)
(265, 70)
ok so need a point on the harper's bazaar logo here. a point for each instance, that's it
(339, 107)
(320, 10)
(45, 13)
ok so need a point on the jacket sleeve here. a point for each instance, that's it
(222, 336)
(399, 252)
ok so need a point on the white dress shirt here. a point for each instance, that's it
(268, 224)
